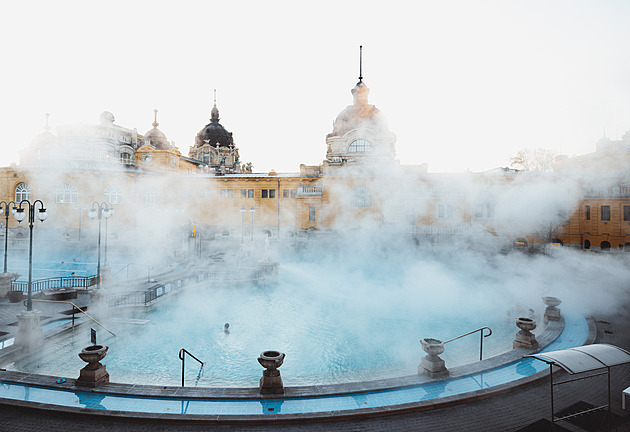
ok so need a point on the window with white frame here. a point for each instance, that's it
(125, 159)
(484, 211)
(361, 197)
(360, 146)
(67, 194)
(149, 197)
(227, 193)
(22, 192)
(247, 193)
(445, 211)
(114, 195)
(206, 193)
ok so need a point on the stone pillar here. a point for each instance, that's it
(432, 365)
(94, 373)
(30, 334)
(5, 283)
(552, 313)
(525, 338)
(271, 382)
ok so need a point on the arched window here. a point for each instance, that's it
(67, 194)
(22, 192)
(114, 195)
(587, 244)
(361, 197)
(605, 246)
(360, 146)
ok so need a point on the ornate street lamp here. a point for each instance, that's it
(242, 223)
(252, 210)
(5, 210)
(100, 210)
(20, 215)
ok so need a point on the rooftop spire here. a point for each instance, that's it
(47, 127)
(155, 122)
(360, 63)
(214, 112)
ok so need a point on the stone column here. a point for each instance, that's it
(30, 334)
(5, 283)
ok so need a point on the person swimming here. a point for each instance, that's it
(226, 328)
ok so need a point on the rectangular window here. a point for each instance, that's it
(227, 193)
(445, 211)
(605, 213)
(247, 193)
(289, 193)
(268, 193)
(311, 214)
(588, 212)
(186, 193)
(626, 213)
(206, 193)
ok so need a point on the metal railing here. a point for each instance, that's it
(480, 340)
(75, 307)
(52, 283)
(182, 356)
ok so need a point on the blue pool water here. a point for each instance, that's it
(331, 330)
(574, 334)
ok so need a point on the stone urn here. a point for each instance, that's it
(94, 373)
(552, 313)
(525, 338)
(15, 296)
(432, 364)
(271, 382)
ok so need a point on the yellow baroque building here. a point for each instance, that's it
(163, 198)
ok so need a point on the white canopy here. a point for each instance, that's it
(585, 358)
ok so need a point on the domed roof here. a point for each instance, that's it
(213, 133)
(156, 137)
(106, 117)
(360, 114)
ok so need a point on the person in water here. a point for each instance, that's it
(226, 328)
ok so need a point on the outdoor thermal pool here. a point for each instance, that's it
(335, 324)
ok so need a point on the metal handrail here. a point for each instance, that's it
(75, 307)
(480, 341)
(56, 282)
(182, 356)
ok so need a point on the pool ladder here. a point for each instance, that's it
(182, 356)
(480, 340)
(74, 308)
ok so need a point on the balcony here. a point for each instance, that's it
(309, 191)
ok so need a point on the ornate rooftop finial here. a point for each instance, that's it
(155, 122)
(360, 63)
(47, 127)
(214, 113)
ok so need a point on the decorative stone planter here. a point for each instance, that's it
(432, 365)
(15, 296)
(525, 338)
(94, 373)
(271, 382)
(552, 313)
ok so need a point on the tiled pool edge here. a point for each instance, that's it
(192, 393)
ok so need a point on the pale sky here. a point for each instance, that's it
(463, 84)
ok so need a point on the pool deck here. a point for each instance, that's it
(504, 407)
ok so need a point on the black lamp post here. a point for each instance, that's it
(252, 210)
(5, 210)
(242, 223)
(20, 215)
(100, 210)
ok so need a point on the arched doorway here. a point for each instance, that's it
(605, 246)
(587, 244)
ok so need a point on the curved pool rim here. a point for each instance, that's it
(415, 392)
